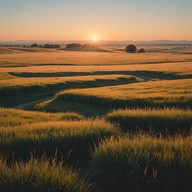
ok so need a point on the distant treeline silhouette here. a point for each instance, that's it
(46, 45)
(78, 45)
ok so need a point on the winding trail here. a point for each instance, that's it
(23, 106)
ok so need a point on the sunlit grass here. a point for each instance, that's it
(47, 56)
(174, 93)
(69, 139)
(40, 176)
(13, 117)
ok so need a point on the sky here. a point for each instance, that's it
(95, 19)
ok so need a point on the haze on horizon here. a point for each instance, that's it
(101, 19)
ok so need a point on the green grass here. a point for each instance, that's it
(71, 140)
(143, 163)
(162, 121)
(40, 176)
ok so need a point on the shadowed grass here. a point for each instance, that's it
(162, 121)
(71, 140)
(40, 176)
(144, 163)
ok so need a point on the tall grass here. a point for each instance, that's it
(40, 176)
(165, 121)
(144, 163)
(174, 93)
(71, 140)
(13, 117)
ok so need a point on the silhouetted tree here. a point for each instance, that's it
(131, 49)
(142, 50)
(51, 46)
(34, 45)
(73, 46)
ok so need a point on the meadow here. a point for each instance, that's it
(96, 121)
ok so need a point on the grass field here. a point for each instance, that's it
(144, 163)
(96, 121)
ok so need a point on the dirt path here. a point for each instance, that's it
(23, 106)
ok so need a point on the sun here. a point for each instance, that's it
(94, 38)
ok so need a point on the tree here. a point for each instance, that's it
(73, 46)
(34, 45)
(142, 50)
(51, 46)
(131, 49)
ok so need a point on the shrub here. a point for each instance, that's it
(142, 50)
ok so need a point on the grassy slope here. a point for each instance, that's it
(175, 93)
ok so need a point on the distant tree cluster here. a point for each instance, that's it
(46, 45)
(133, 49)
(51, 46)
(78, 45)
(73, 46)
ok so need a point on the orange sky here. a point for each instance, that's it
(108, 20)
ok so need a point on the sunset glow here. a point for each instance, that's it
(112, 19)
(94, 38)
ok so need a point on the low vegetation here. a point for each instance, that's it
(40, 176)
(71, 140)
(175, 93)
(161, 121)
(143, 163)
(13, 117)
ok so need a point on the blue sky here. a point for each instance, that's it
(106, 19)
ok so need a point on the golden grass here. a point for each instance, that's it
(27, 82)
(181, 68)
(72, 140)
(144, 163)
(153, 89)
(47, 56)
(13, 117)
(41, 176)
(138, 94)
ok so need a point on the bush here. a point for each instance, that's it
(142, 50)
